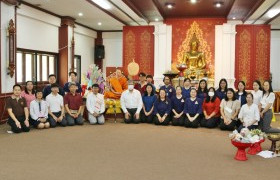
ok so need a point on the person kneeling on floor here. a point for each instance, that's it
(95, 106)
(131, 102)
(18, 111)
(73, 102)
(39, 112)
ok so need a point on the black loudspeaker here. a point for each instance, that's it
(99, 52)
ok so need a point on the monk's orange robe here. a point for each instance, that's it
(118, 85)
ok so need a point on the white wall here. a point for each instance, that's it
(37, 30)
(84, 46)
(7, 13)
(275, 59)
(113, 44)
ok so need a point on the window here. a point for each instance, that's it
(35, 66)
(77, 67)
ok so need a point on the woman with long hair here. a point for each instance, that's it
(222, 90)
(266, 104)
(229, 109)
(211, 110)
(148, 99)
(28, 93)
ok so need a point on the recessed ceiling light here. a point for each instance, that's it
(234, 18)
(170, 5)
(156, 19)
(193, 1)
(273, 12)
(80, 14)
(102, 3)
(218, 4)
(99, 23)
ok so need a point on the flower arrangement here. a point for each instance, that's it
(247, 136)
(93, 76)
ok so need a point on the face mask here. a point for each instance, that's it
(130, 87)
(211, 94)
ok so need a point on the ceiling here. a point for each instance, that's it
(142, 12)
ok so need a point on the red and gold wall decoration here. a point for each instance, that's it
(138, 45)
(252, 53)
(182, 32)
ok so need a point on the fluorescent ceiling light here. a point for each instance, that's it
(273, 12)
(102, 3)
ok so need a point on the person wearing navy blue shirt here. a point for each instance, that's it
(241, 93)
(169, 90)
(73, 78)
(202, 90)
(150, 79)
(187, 88)
(222, 90)
(162, 109)
(193, 110)
(177, 104)
(47, 90)
(148, 99)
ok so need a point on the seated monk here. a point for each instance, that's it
(117, 83)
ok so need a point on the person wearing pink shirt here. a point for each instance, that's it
(28, 93)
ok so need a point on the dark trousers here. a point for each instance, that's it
(53, 123)
(210, 123)
(193, 124)
(132, 118)
(249, 127)
(164, 123)
(229, 127)
(178, 121)
(14, 127)
(265, 123)
(146, 119)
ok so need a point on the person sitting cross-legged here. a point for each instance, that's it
(56, 107)
(131, 102)
(95, 106)
(73, 102)
(39, 112)
(18, 111)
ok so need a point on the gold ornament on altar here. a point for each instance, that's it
(196, 54)
(133, 68)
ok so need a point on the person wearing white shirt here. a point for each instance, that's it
(95, 106)
(56, 107)
(249, 114)
(131, 102)
(39, 112)
(266, 104)
(257, 92)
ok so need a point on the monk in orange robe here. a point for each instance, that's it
(118, 84)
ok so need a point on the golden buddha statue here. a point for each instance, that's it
(194, 59)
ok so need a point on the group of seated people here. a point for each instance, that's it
(180, 106)
(53, 106)
(205, 107)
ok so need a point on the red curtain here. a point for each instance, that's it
(252, 54)
(138, 44)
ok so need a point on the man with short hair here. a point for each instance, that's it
(47, 90)
(169, 89)
(131, 102)
(56, 107)
(73, 79)
(18, 111)
(73, 104)
(95, 106)
(141, 86)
